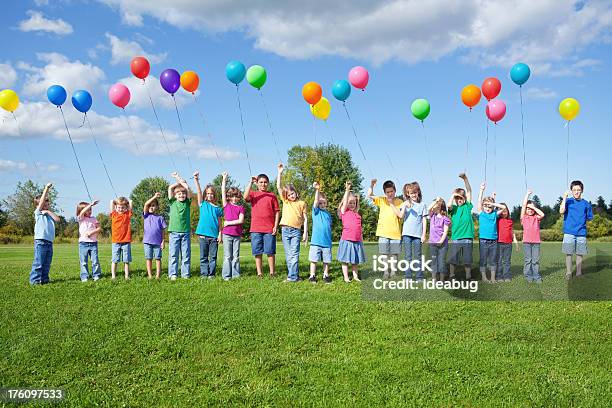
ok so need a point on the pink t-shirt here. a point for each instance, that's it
(351, 226)
(88, 224)
(231, 212)
(531, 229)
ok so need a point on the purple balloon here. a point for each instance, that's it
(170, 80)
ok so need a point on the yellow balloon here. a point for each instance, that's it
(9, 100)
(569, 108)
(321, 109)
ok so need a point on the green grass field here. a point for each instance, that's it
(269, 343)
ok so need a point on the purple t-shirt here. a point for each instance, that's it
(154, 226)
(231, 212)
(436, 227)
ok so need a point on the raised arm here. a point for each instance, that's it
(130, 204)
(451, 201)
(223, 196)
(183, 183)
(483, 185)
(371, 188)
(500, 208)
(44, 196)
(468, 187)
(524, 205)
(196, 181)
(317, 187)
(280, 168)
(87, 208)
(112, 205)
(149, 201)
(539, 213)
(399, 212)
(247, 189)
(562, 206)
(344, 202)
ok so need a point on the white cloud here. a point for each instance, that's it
(38, 22)
(540, 93)
(40, 120)
(72, 75)
(486, 32)
(124, 50)
(8, 77)
(41, 3)
(31, 169)
(10, 165)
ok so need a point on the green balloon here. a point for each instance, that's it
(420, 109)
(256, 76)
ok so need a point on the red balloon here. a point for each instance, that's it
(491, 87)
(140, 67)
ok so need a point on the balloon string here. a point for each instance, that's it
(182, 133)
(486, 151)
(127, 118)
(263, 100)
(27, 147)
(75, 153)
(246, 150)
(567, 155)
(357, 139)
(431, 173)
(201, 113)
(380, 138)
(161, 129)
(523, 133)
(85, 117)
(331, 136)
(495, 155)
(467, 143)
(314, 129)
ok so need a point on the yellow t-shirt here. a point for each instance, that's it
(293, 214)
(389, 224)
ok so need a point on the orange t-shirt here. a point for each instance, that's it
(120, 227)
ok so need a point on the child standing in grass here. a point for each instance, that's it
(292, 219)
(265, 214)
(121, 233)
(462, 232)
(208, 228)
(232, 230)
(350, 248)
(414, 213)
(389, 227)
(576, 212)
(44, 234)
(505, 238)
(89, 227)
(153, 240)
(321, 242)
(438, 237)
(487, 221)
(179, 228)
(530, 219)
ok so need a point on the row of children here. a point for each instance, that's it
(400, 222)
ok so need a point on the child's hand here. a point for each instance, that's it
(174, 174)
(316, 186)
(529, 192)
(483, 185)
(305, 237)
(373, 182)
(253, 179)
(196, 175)
(94, 202)
(567, 194)
(157, 195)
(280, 167)
(462, 176)
(48, 185)
(348, 185)
(494, 194)
(44, 212)
(224, 175)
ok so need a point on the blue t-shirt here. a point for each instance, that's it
(208, 225)
(577, 213)
(44, 227)
(487, 224)
(321, 228)
(413, 220)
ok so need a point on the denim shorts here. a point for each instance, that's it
(317, 254)
(122, 252)
(388, 246)
(263, 243)
(152, 251)
(574, 245)
(460, 248)
(488, 253)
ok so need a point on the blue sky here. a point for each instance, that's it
(411, 51)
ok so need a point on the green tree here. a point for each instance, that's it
(142, 192)
(20, 205)
(600, 206)
(599, 226)
(105, 225)
(3, 216)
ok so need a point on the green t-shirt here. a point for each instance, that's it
(179, 215)
(462, 224)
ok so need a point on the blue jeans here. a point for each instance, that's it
(231, 257)
(87, 250)
(438, 256)
(532, 262)
(180, 245)
(43, 254)
(291, 242)
(412, 250)
(208, 256)
(504, 258)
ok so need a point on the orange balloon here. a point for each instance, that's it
(190, 81)
(470, 95)
(312, 93)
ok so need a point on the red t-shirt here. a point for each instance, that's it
(264, 206)
(504, 230)
(120, 227)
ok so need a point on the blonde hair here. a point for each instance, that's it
(80, 207)
(289, 188)
(488, 200)
(350, 196)
(178, 188)
(413, 187)
(121, 201)
(439, 208)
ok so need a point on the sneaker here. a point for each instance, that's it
(211, 276)
(226, 279)
(96, 278)
(173, 278)
(327, 279)
(507, 280)
(84, 280)
(312, 279)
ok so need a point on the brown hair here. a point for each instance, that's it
(440, 208)
(233, 192)
(413, 187)
(154, 202)
(460, 191)
(288, 189)
(121, 201)
(212, 189)
(80, 207)
(507, 209)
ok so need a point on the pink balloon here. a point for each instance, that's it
(119, 95)
(359, 77)
(496, 110)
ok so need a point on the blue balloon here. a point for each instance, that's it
(81, 100)
(56, 95)
(235, 71)
(520, 73)
(341, 90)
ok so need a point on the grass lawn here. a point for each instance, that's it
(265, 342)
